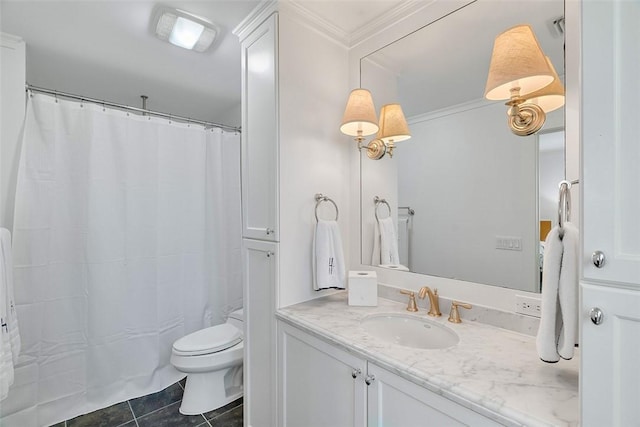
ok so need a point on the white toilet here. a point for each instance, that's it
(212, 360)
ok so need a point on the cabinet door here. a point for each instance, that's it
(610, 142)
(260, 132)
(394, 401)
(320, 385)
(610, 384)
(260, 276)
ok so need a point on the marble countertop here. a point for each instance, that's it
(493, 371)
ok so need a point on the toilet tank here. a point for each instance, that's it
(236, 318)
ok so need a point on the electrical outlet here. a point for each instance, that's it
(528, 305)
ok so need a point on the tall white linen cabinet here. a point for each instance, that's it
(610, 125)
(294, 80)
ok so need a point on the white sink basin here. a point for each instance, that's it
(410, 331)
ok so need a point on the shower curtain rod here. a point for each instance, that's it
(129, 108)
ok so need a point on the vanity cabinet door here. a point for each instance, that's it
(320, 385)
(259, 155)
(394, 401)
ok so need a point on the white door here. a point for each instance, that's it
(321, 386)
(260, 132)
(610, 373)
(259, 279)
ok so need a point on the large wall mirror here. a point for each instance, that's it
(466, 195)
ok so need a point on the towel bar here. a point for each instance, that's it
(377, 200)
(564, 204)
(322, 198)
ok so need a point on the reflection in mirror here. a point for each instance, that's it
(471, 183)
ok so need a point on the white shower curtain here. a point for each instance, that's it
(126, 237)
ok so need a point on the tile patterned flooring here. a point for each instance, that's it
(158, 410)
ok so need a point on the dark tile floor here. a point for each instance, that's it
(158, 410)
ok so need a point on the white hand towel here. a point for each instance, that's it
(375, 254)
(403, 238)
(547, 338)
(568, 291)
(8, 317)
(328, 257)
(388, 242)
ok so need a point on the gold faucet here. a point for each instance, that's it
(412, 300)
(434, 306)
(454, 315)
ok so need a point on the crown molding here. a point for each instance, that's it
(10, 41)
(257, 16)
(447, 111)
(348, 40)
(380, 24)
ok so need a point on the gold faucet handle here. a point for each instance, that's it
(411, 306)
(454, 314)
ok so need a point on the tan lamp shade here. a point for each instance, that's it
(550, 97)
(360, 115)
(393, 125)
(517, 61)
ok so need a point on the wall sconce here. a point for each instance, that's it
(359, 120)
(519, 67)
(393, 127)
(359, 117)
(550, 97)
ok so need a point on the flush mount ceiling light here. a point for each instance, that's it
(184, 29)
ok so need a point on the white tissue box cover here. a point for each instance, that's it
(363, 288)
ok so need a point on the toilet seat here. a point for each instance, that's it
(209, 340)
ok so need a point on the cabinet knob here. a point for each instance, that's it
(598, 259)
(269, 254)
(597, 316)
(356, 372)
(269, 231)
(369, 379)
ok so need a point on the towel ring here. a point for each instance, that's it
(564, 203)
(322, 198)
(377, 200)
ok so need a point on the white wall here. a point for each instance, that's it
(12, 107)
(313, 152)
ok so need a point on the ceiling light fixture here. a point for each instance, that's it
(184, 29)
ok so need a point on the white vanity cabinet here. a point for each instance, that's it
(259, 154)
(322, 385)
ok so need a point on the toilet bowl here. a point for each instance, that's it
(212, 360)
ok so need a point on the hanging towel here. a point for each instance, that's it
(385, 246)
(403, 238)
(568, 291)
(9, 335)
(550, 321)
(328, 257)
